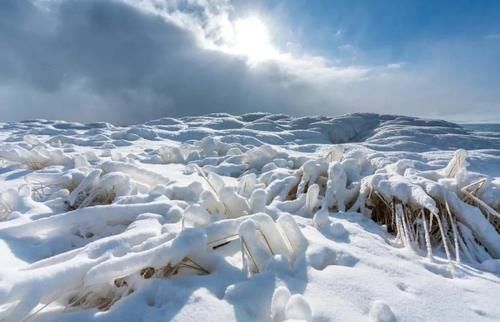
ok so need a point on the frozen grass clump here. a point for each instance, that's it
(430, 209)
(34, 154)
(262, 239)
(79, 188)
(20, 202)
(104, 271)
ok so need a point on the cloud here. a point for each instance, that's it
(492, 36)
(109, 60)
(129, 61)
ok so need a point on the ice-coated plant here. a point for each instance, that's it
(424, 213)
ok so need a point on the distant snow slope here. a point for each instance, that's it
(258, 217)
(383, 131)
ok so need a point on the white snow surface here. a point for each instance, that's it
(258, 217)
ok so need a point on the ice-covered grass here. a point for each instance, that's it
(258, 217)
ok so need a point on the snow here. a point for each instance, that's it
(381, 312)
(258, 217)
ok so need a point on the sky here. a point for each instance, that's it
(128, 61)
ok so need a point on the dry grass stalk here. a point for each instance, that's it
(5, 209)
(470, 196)
(202, 174)
(36, 165)
(222, 241)
(121, 287)
(245, 253)
(419, 228)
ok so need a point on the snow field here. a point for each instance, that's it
(253, 218)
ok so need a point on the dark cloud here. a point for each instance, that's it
(107, 60)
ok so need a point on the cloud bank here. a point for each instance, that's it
(131, 61)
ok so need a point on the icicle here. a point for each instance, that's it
(427, 236)
(312, 199)
(455, 232)
(292, 232)
(443, 237)
(404, 233)
(456, 164)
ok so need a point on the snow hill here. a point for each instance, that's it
(258, 217)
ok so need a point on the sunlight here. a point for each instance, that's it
(251, 38)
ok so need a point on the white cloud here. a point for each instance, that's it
(492, 36)
(215, 24)
(395, 65)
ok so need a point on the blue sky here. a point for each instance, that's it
(384, 30)
(128, 61)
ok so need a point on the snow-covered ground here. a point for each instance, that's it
(258, 217)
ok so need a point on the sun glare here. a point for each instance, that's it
(251, 38)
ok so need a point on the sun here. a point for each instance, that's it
(251, 38)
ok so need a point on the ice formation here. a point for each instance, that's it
(259, 217)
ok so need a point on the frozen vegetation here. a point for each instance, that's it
(258, 217)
